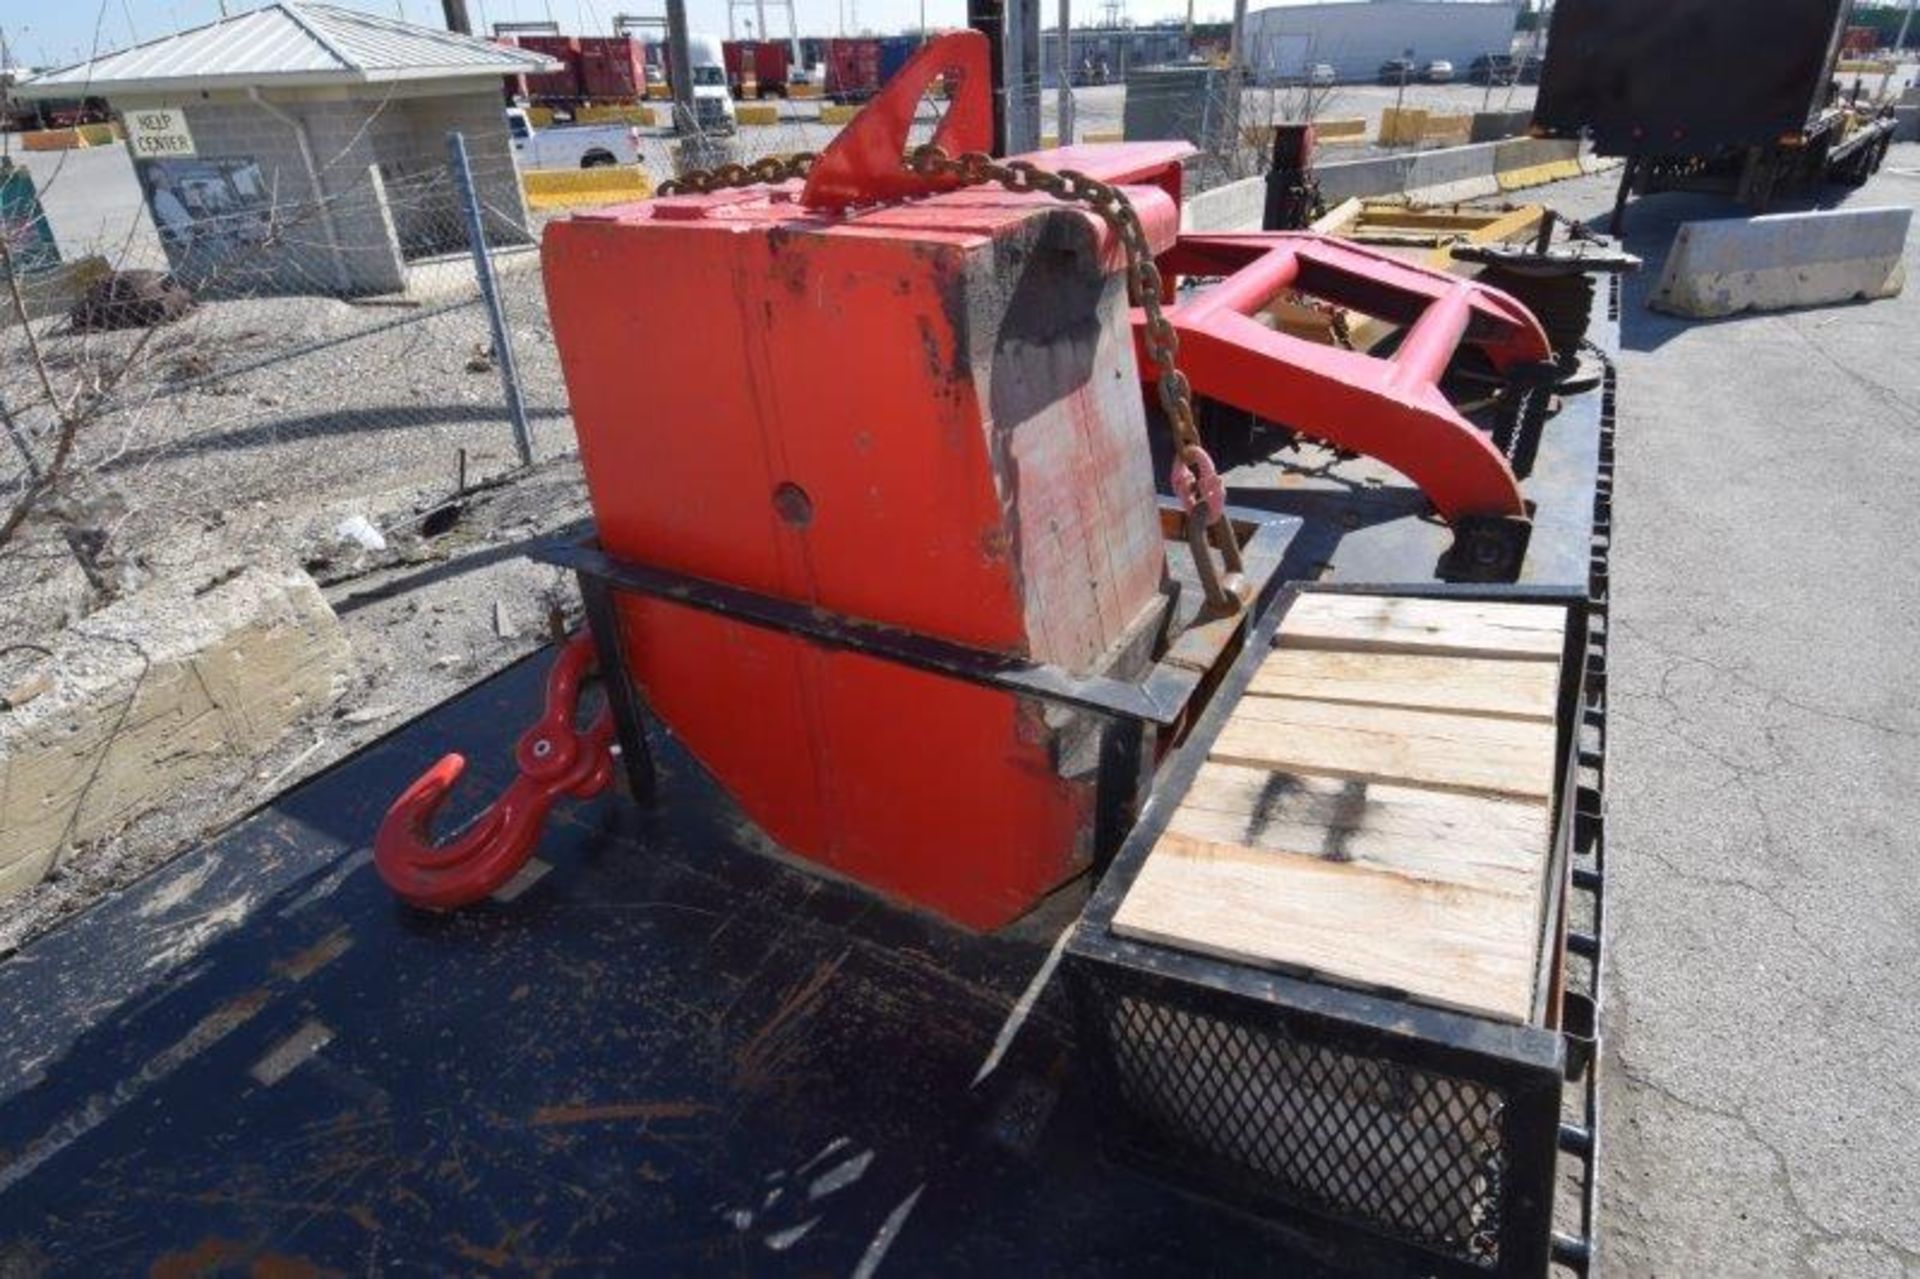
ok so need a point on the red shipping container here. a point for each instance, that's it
(559, 85)
(766, 61)
(613, 67)
(772, 60)
(853, 69)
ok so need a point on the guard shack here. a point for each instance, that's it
(301, 147)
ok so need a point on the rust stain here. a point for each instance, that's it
(216, 1256)
(551, 1116)
(756, 1062)
(303, 965)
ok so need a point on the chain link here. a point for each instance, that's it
(1144, 285)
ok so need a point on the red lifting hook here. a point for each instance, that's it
(555, 759)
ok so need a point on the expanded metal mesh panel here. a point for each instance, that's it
(1402, 1150)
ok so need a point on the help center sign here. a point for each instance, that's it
(157, 133)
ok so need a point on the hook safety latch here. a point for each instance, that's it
(554, 759)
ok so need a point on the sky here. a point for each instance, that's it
(44, 33)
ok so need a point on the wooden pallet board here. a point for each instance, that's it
(1502, 688)
(1492, 844)
(1443, 943)
(1455, 628)
(1378, 808)
(1474, 754)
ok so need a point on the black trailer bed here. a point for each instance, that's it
(673, 1052)
(670, 1054)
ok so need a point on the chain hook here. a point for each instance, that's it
(554, 759)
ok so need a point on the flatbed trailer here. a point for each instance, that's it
(1700, 96)
(653, 1038)
(665, 1047)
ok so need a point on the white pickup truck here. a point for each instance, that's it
(571, 146)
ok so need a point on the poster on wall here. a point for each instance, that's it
(211, 213)
(30, 243)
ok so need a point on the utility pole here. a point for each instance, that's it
(1900, 41)
(1063, 120)
(680, 68)
(1236, 71)
(456, 12)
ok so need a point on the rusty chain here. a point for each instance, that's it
(762, 172)
(1225, 592)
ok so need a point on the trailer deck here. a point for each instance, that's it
(664, 1046)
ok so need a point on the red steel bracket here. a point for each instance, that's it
(555, 759)
(1391, 409)
(863, 164)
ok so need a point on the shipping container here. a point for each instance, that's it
(764, 62)
(894, 52)
(613, 68)
(1860, 40)
(564, 85)
(853, 69)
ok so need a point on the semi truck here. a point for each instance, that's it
(1686, 93)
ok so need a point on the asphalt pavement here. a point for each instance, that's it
(1763, 1059)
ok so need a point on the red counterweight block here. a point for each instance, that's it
(924, 414)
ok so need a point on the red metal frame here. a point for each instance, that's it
(1392, 408)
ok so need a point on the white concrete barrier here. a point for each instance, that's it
(1784, 260)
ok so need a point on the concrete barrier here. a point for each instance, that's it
(1338, 131)
(836, 113)
(615, 114)
(757, 113)
(1402, 126)
(803, 91)
(1453, 130)
(1452, 174)
(1784, 260)
(1237, 206)
(582, 188)
(1494, 126)
(1445, 175)
(1906, 126)
(1358, 179)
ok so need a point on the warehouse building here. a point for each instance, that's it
(1355, 38)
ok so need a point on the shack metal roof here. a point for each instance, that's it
(293, 43)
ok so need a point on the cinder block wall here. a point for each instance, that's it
(385, 193)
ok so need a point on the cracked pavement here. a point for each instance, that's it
(1763, 1051)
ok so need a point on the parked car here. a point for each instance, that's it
(1321, 75)
(1439, 71)
(1399, 71)
(1526, 69)
(571, 146)
(1496, 69)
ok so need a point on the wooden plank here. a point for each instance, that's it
(1391, 744)
(1458, 628)
(1500, 687)
(1497, 845)
(1448, 944)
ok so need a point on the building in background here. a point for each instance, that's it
(301, 147)
(1355, 38)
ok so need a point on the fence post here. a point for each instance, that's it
(490, 293)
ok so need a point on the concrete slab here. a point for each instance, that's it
(198, 671)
